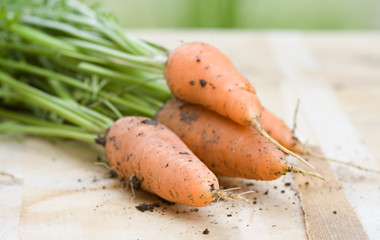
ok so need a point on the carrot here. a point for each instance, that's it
(227, 148)
(200, 74)
(140, 148)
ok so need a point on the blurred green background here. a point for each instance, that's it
(258, 14)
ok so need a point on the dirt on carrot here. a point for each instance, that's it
(227, 148)
(150, 156)
(200, 74)
(137, 149)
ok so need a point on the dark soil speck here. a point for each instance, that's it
(113, 174)
(136, 183)
(147, 207)
(202, 82)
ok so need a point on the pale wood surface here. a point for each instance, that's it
(53, 191)
(327, 212)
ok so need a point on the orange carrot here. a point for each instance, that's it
(200, 74)
(142, 149)
(227, 148)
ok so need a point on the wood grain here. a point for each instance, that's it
(327, 212)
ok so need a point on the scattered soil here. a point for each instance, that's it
(147, 207)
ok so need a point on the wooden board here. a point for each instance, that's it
(327, 212)
(56, 190)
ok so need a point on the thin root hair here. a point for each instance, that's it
(295, 169)
(258, 126)
(104, 165)
(349, 164)
(224, 194)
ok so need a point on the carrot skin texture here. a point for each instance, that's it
(227, 148)
(279, 131)
(200, 74)
(136, 146)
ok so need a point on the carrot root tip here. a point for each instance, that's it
(132, 187)
(295, 169)
(135, 184)
(103, 164)
(256, 124)
(295, 117)
(349, 164)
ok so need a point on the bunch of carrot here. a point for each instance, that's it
(69, 71)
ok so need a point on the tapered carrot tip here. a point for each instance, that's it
(295, 169)
(257, 125)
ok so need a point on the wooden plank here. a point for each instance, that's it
(328, 213)
(350, 63)
(329, 123)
